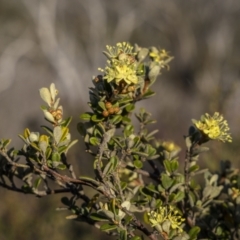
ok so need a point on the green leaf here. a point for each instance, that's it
(97, 118)
(6, 143)
(56, 104)
(151, 151)
(138, 164)
(153, 157)
(66, 122)
(128, 130)
(125, 100)
(34, 145)
(62, 149)
(108, 227)
(71, 144)
(175, 186)
(130, 107)
(117, 142)
(193, 168)
(65, 132)
(56, 157)
(98, 217)
(116, 119)
(160, 188)
(199, 150)
(171, 197)
(88, 179)
(48, 153)
(94, 141)
(136, 238)
(48, 130)
(216, 191)
(149, 122)
(152, 133)
(191, 198)
(97, 133)
(179, 196)
(166, 226)
(114, 161)
(167, 165)
(86, 116)
(174, 165)
(148, 94)
(142, 154)
(102, 105)
(24, 140)
(57, 133)
(123, 235)
(26, 133)
(151, 188)
(53, 91)
(45, 95)
(107, 169)
(107, 213)
(137, 141)
(194, 232)
(166, 181)
(61, 166)
(126, 120)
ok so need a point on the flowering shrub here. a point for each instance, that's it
(130, 202)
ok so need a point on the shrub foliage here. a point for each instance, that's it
(141, 190)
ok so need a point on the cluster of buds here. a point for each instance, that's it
(110, 109)
(34, 139)
(53, 112)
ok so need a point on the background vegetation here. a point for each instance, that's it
(61, 41)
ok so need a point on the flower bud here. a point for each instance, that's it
(108, 105)
(111, 111)
(105, 113)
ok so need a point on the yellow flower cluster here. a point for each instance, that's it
(121, 64)
(214, 127)
(120, 71)
(166, 213)
(160, 56)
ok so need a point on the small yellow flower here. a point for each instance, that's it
(166, 213)
(160, 56)
(214, 127)
(235, 193)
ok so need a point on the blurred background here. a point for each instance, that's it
(60, 41)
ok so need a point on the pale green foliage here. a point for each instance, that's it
(130, 202)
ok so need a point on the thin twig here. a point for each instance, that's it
(47, 192)
(10, 161)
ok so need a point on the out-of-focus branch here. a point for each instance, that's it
(10, 57)
(44, 14)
